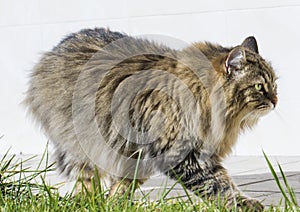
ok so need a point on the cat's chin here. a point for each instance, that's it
(252, 118)
(260, 112)
(249, 121)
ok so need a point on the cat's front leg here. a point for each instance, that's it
(210, 181)
(244, 203)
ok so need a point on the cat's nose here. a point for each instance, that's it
(274, 100)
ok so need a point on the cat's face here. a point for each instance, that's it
(251, 82)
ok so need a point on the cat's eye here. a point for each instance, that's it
(258, 87)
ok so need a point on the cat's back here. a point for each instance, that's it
(74, 50)
(87, 41)
(61, 66)
(49, 97)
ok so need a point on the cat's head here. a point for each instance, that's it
(250, 82)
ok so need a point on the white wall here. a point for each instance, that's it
(27, 28)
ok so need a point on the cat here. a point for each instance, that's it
(108, 99)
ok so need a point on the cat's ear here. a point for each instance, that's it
(250, 43)
(235, 59)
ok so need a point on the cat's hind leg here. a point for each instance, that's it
(87, 179)
(124, 186)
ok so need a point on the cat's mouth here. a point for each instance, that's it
(265, 107)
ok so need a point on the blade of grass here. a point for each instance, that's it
(145, 194)
(169, 190)
(7, 163)
(48, 190)
(185, 190)
(135, 178)
(276, 178)
(99, 189)
(290, 191)
(4, 156)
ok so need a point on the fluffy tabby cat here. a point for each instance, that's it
(170, 132)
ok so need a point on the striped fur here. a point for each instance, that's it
(185, 110)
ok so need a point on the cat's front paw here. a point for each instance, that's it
(243, 203)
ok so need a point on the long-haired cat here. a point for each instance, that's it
(107, 99)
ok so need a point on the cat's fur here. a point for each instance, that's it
(186, 107)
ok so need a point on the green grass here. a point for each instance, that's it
(288, 194)
(24, 189)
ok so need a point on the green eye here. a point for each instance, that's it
(258, 87)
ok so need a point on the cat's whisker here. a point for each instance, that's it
(281, 117)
